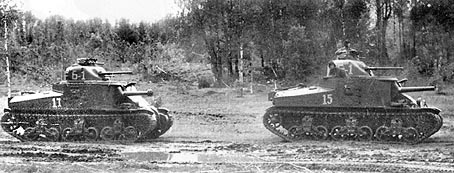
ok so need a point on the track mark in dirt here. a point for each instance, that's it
(59, 152)
(217, 115)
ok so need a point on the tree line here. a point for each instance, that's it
(281, 39)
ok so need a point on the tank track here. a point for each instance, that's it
(78, 125)
(390, 125)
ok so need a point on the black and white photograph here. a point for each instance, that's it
(329, 86)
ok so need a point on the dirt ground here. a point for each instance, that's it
(217, 130)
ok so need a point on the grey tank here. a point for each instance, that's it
(86, 106)
(351, 103)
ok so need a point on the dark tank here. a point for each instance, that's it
(351, 103)
(86, 106)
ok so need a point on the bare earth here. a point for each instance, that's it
(215, 130)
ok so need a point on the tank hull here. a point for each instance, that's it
(401, 125)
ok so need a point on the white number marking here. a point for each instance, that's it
(56, 102)
(76, 76)
(327, 99)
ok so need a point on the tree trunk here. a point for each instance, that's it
(240, 65)
(215, 61)
(230, 65)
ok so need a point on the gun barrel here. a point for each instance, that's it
(416, 89)
(115, 72)
(138, 93)
(384, 68)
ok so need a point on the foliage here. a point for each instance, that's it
(434, 37)
(285, 40)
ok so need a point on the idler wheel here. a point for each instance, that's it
(410, 135)
(66, 134)
(365, 133)
(91, 134)
(53, 134)
(337, 133)
(131, 133)
(295, 132)
(107, 133)
(321, 132)
(381, 133)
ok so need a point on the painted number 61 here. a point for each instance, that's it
(327, 99)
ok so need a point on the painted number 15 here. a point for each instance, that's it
(327, 99)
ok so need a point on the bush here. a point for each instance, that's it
(203, 83)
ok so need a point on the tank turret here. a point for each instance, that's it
(87, 106)
(89, 69)
(351, 103)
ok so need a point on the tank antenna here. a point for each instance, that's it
(8, 75)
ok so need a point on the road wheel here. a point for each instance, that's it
(30, 134)
(321, 133)
(131, 133)
(337, 133)
(66, 134)
(381, 134)
(53, 134)
(91, 134)
(411, 135)
(365, 133)
(107, 133)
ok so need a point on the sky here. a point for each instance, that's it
(112, 10)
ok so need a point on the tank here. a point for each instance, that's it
(86, 106)
(351, 103)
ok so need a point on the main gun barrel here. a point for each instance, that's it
(114, 73)
(416, 89)
(384, 68)
(138, 93)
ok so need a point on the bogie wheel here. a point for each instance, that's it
(365, 133)
(30, 134)
(337, 133)
(9, 123)
(380, 134)
(66, 134)
(107, 133)
(295, 132)
(91, 134)
(53, 134)
(410, 135)
(131, 133)
(154, 134)
(321, 133)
